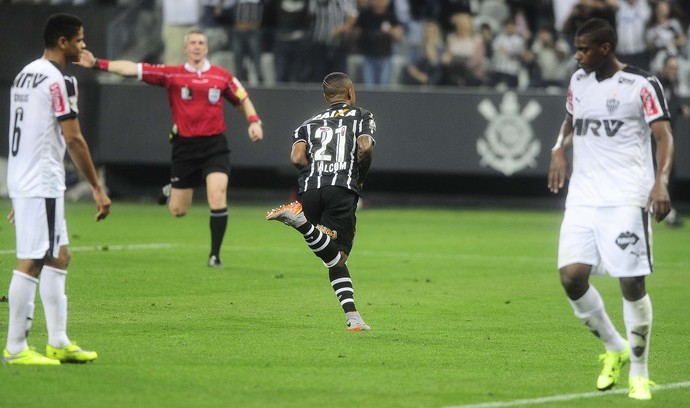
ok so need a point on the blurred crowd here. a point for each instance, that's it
(71, 2)
(469, 43)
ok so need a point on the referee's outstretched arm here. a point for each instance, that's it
(120, 67)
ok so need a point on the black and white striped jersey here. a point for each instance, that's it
(249, 11)
(331, 138)
(328, 16)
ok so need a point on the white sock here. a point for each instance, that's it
(590, 309)
(638, 325)
(22, 293)
(52, 289)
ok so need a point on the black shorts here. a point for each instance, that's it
(332, 210)
(194, 158)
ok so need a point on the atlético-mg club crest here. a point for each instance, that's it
(508, 144)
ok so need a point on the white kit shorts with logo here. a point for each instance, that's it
(40, 226)
(612, 239)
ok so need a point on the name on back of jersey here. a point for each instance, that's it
(331, 167)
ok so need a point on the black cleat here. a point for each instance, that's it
(214, 262)
(165, 195)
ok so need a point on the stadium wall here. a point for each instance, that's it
(507, 134)
(486, 133)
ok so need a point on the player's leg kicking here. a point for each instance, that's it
(329, 252)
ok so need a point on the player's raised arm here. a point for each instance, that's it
(119, 67)
(558, 169)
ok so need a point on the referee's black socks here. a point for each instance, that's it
(218, 223)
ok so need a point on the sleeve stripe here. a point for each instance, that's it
(658, 90)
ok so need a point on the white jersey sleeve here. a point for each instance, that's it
(612, 154)
(41, 97)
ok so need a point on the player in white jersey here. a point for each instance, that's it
(611, 112)
(43, 125)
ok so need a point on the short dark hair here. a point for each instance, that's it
(598, 30)
(60, 25)
(336, 84)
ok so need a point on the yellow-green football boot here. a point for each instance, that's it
(70, 354)
(613, 362)
(639, 388)
(28, 356)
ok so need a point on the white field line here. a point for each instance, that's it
(565, 397)
(107, 248)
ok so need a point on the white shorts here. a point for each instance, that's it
(40, 227)
(617, 239)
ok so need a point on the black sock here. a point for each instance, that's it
(342, 286)
(218, 223)
(304, 228)
(321, 244)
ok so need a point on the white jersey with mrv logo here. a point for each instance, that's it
(40, 97)
(612, 146)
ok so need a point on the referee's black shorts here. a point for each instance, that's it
(332, 209)
(194, 158)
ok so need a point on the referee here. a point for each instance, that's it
(200, 152)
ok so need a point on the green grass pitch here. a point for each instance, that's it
(465, 307)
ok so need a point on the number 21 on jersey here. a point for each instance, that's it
(330, 144)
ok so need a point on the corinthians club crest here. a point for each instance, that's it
(508, 144)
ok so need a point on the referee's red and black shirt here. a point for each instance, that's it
(196, 97)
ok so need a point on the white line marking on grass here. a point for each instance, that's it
(108, 248)
(565, 397)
